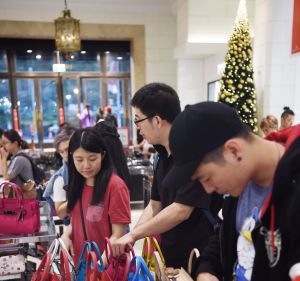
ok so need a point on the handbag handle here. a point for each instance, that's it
(140, 266)
(159, 267)
(194, 254)
(94, 247)
(147, 243)
(64, 266)
(86, 246)
(40, 275)
(156, 247)
(16, 188)
(91, 272)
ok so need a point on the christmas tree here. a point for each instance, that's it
(237, 86)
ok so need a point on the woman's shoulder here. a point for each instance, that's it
(116, 182)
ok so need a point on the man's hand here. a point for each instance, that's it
(119, 245)
(205, 276)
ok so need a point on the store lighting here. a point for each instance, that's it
(67, 32)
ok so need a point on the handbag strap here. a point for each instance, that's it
(40, 275)
(86, 246)
(15, 187)
(64, 266)
(82, 221)
(95, 248)
(146, 247)
(91, 272)
(159, 267)
(194, 254)
(156, 247)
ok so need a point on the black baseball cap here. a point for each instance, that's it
(199, 129)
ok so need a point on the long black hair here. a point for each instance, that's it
(91, 141)
(112, 141)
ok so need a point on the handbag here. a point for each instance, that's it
(82, 263)
(138, 270)
(12, 264)
(93, 273)
(117, 267)
(169, 274)
(55, 248)
(18, 215)
(150, 245)
(45, 271)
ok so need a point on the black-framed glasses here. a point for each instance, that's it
(137, 121)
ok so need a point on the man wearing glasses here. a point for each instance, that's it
(175, 213)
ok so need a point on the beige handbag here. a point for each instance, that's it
(177, 274)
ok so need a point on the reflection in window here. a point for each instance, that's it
(29, 61)
(27, 105)
(118, 62)
(92, 93)
(71, 93)
(5, 105)
(48, 98)
(3, 61)
(116, 99)
(82, 61)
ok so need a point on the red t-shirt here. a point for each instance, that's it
(114, 209)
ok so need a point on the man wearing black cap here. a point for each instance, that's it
(260, 234)
(174, 212)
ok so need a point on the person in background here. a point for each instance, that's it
(259, 236)
(98, 199)
(85, 117)
(100, 115)
(19, 170)
(175, 213)
(109, 117)
(287, 118)
(113, 143)
(55, 192)
(269, 124)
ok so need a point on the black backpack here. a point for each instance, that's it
(38, 173)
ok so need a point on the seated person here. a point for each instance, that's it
(269, 124)
(287, 118)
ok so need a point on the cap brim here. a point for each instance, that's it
(180, 174)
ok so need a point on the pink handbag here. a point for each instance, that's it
(117, 267)
(18, 215)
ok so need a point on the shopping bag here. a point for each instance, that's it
(169, 274)
(93, 273)
(12, 264)
(43, 272)
(82, 263)
(117, 267)
(150, 245)
(18, 215)
(55, 249)
(138, 270)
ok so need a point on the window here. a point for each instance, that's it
(3, 61)
(5, 105)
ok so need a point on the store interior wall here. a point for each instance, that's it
(185, 41)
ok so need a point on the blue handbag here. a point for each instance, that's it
(141, 273)
(82, 263)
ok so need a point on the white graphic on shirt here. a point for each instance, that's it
(245, 248)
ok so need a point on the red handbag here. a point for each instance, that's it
(18, 215)
(117, 267)
(44, 273)
(92, 272)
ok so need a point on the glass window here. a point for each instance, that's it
(82, 61)
(27, 106)
(118, 62)
(3, 61)
(92, 92)
(115, 97)
(48, 97)
(30, 61)
(5, 105)
(71, 98)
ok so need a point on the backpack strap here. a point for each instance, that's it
(214, 222)
(22, 154)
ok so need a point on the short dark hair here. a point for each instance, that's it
(89, 140)
(217, 156)
(13, 136)
(286, 112)
(157, 99)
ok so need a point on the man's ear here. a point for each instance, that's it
(233, 150)
(158, 121)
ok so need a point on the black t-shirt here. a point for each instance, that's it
(178, 242)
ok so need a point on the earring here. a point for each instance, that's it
(239, 159)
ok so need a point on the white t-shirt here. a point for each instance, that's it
(59, 194)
